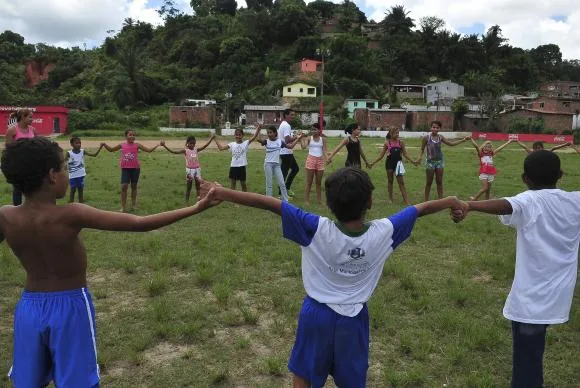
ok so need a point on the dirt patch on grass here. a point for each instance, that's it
(164, 353)
(482, 278)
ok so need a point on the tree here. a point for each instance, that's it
(548, 59)
(258, 5)
(397, 21)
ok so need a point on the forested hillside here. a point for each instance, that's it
(248, 52)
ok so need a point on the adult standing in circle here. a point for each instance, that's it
(22, 130)
(288, 162)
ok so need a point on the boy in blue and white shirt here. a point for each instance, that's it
(342, 262)
(75, 161)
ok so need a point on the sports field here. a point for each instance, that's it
(213, 300)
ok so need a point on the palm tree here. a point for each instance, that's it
(397, 21)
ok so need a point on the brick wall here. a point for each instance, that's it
(379, 119)
(269, 117)
(556, 105)
(556, 121)
(422, 120)
(192, 115)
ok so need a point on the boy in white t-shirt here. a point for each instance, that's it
(548, 233)
(75, 160)
(239, 150)
(342, 262)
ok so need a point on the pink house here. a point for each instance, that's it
(309, 66)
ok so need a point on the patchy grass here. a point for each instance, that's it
(213, 300)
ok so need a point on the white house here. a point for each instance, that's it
(444, 90)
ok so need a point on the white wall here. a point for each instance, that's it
(381, 134)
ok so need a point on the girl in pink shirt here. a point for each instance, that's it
(192, 166)
(130, 166)
(22, 130)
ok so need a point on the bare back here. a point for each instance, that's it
(47, 244)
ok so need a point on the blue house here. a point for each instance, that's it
(356, 103)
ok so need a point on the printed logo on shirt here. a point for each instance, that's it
(129, 156)
(357, 253)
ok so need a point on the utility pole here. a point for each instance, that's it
(322, 52)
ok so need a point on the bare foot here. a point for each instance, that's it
(472, 198)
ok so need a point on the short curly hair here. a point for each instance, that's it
(26, 162)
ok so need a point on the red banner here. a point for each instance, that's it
(526, 137)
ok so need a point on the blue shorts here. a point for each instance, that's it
(130, 175)
(328, 343)
(77, 183)
(54, 339)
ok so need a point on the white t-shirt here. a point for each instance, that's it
(548, 234)
(340, 270)
(76, 164)
(315, 148)
(239, 152)
(273, 148)
(285, 130)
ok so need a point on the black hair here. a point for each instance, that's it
(317, 124)
(273, 128)
(437, 122)
(538, 145)
(351, 127)
(189, 139)
(287, 112)
(238, 130)
(542, 169)
(73, 139)
(348, 192)
(26, 162)
(129, 130)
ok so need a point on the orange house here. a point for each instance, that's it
(310, 66)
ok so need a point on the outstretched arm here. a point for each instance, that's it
(363, 156)
(203, 147)
(423, 145)
(217, 193)
(177, 152)
(93, 154)
(524, 147)
(220, 146)
(382, 155)
(453, 143)
(437, 205)
(294, 142)
(84, 216)
(342, 144)
(560, 146)
(476, 146)
(404, 152)
(501, 147)
(10, 133)
(491, 206)
(111, 149)
(256, 134)
(147, 149)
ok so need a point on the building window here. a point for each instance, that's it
(260, 117)
(541, 104)
(566, 104)
(428, 87)
(301, 90)
(289, 90)
(311, 90)
(370, 105)
(355, 104)
(573, 88)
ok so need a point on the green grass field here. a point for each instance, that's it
(213, 300)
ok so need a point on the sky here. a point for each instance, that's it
(525, 23)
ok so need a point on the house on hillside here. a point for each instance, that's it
(356, 103)
(443, 91)
(299, 90)
(555, 104)
(264, 114)
(405, 91)
(308, 66)
(558, 121)
(567, 89)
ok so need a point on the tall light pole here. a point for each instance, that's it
(322, 52)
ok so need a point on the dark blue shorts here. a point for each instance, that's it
(328, 343)
(77, 183)
(130, 175)
(54, 339)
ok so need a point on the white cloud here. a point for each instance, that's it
(525, 23)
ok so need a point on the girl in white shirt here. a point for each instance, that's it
(239, 150)
(272, 161)
(315, 162)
